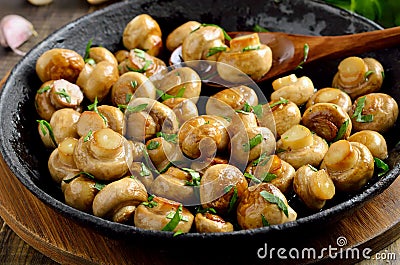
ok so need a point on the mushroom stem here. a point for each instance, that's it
(321, 185)
(106, 143)
(297, 137)
(352, 70)
(341, 155)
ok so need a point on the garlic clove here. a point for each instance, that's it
(14, 31)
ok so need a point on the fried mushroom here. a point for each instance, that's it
(176, 37)
(375, 142)
(79, 193)
(331, 95)
(64, 124)
(297, 90)
(211, 223)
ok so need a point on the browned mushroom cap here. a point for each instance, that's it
(157, 213)
(297, 90)
(246, 54)
(328, 120)
(285, 114)
(184, 108)
(79, 193)
(221, 187)
(349, 164)
(357, 76)
(375, 142)
(97, 80)
(43, 104)
(313, 186)
(173, 186)
(114, 116)
(211, 223)
(141, 62)
(374, 111)
(331, 95)
(143, 32)
(64, 124)
(105, 154)
(176, 37)
(197, 45)
(116, 196)
(61, 162)
(121, 55)
(271, 169)
(99, 54)
(88, 122)
(298, 146)
(131, 84)
(181, 82)
(58, 63)
(203, 136)
(249, 144)
(259, 207)
(235, 98)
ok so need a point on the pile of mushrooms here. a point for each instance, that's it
(129, 144)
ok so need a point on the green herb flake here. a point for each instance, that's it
(173, 223)
(168, 137)
(64, 94)
(144, 171)
(383, 74)
(228, 119)
(279, 102)
(247, 107)
(382, 166)
(90, 61)
(367, 74)
(358, 112)
(258, 110)
(214, 50)
(99, 186)
(43, 89)
(164, 96)
(133, 84)
(195, 177)
(206, 210)
(140, 53)
(306, 50)
(251, 48)
(264, 221)
(253, 142)
(263, 157)
(275, 200)
(234, 198)
(268, 177)
(87, 50)
(150, 203)
(46, 127)
(313, 168)
(152, 145)
(128, 97)
(88, 135)
(252, 177)
(179, 232)
(258, 28)
(227, 37)
(342, 130)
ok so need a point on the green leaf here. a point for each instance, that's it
(253, 142)
(279, 102)
(46, 127)
(88, 135)
(215, 50)
(150, 203)
(358, 112)
(251, 48)
(258, 28)
(99, 186)
(342, 130)
(137, 108)
(171, 225)
(268, 177)
(233, 200)
(275, 200)
(152, 145)
(382, 166)
(195, 177)
(179, 232)
(63, 93)
(264, 221)
(306, 50)
(205, 210)
(144, 171)
(252, 177)
(313, 168)
(367, 74)
(258, 110)
(87, 50)
(93, 107)
(164, 96)
(43, 89)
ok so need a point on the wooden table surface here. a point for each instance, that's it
(46, 19)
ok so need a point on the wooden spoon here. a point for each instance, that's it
(289, 49)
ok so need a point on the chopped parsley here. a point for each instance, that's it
(253, 142)
(168, 137)
(144, 171)
(279, 102)
(128, 97)
(275, 200)
(306, 50)
(313, 168)
(264, 221)
(137, 108)
(342, 130)
(262, 159)
(226, 36)
(252, 177)
(46, 127)
(358, 112)
(214, 50)
(382, 166)
(99, 186)
(64, 94)
(93, 107)
(43, 89)
(88, 135)
(367, 74)
(164, 96)
(258, 28)
(175, 219)
(234, 198)
(251, 48)
(150, 203)
(152, 145)
(195, 177)
(86, 57)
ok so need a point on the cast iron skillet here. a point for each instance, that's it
(27, 158)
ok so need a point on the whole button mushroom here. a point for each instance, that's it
(331, 95)
(96, 80)
(131, 84)
(59, 63)
(249, 144)
(374, 111)
(221, 187)
(114, 116)
(43, 105)
(61, 162)
(375, 142)
(88, 122)
(119, 198)
(184, 108)
(143, 32)
(161, 151)
(358, 76)
(328, 120)
(298, 146)
(64, 124)
(104, 154)
(297, 90)
(98, 54)
(211, 223)
(314, 187)
(158, 214)
(64, 94)
(246, 54)
(273, 170)
(349, 164)
(141, 62)
(263, 205)
(79, 193)
(181, 82)
(140, 126)
(176, 37)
